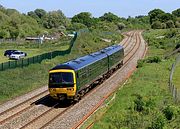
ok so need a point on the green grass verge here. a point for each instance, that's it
(15, 82)
(153, 88)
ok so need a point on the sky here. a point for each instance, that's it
(96, 7)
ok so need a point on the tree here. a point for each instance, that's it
(163, 25)
(33, 15)
(40, 13)
(153, 14)
(4, 34)
(106, 26)
(164, 17)
(170, 24)
(156, 25)
(76, 26)
(4, 18)
(9, 12)
(14, 33)
(55, 19)
(110, 17)
(121, 26)
(83, 18)
(177, 24)
(176, 12)
(15, 19)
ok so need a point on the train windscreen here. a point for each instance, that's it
(61, 79)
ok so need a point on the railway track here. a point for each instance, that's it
(91, 93)
(105, 97)
(21, 107)
(51, 113)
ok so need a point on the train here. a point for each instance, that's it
(72, 79)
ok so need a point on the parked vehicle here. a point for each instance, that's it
(17, 55)
(9, 52)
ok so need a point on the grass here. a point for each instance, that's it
(146, 82)
(143, 100)
(15, 82)
(33, 49)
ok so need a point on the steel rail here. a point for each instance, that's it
(105, 97)
(91, 92)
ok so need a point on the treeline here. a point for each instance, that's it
(161, 20)
(14, 25)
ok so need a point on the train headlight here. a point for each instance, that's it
(53, 90)
(70, 89)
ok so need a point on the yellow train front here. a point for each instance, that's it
(62, 83)
(72, 79)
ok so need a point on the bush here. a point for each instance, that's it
(156, 25)
(163, 25)
(154, 59)
(140, 63)
(139, 103)
(170, 24)
(172, 33)
(177, 46)
(158, 122)
(177, 24)
(169, 112)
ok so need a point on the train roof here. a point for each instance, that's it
(84, 61)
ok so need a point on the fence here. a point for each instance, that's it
(175, 92)
(11, 40)
(38, 58)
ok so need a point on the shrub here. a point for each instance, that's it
(139, 104)
(155, 59)
(158, 122)
(177, 46)
(171, 33)
(140, 63)
(170, 24)
(177, 24)
(156, 25)
(169, 112)
(163, 25)
(121, 26)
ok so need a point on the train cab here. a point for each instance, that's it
(62, 84)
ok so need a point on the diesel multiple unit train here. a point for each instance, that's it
(73, 79)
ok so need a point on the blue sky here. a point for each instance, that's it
(96, 7)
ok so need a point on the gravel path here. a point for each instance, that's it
(20, 99)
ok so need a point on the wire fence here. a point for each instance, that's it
(38, 58)
(11, 40)
(174, 91)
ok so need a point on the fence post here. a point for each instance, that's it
(2, 66)
(173, 90)
(175, 95)
(22, 63)
(28, 60)
(9, 64)
(169, 86)
(16, 64)
(33, 59)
